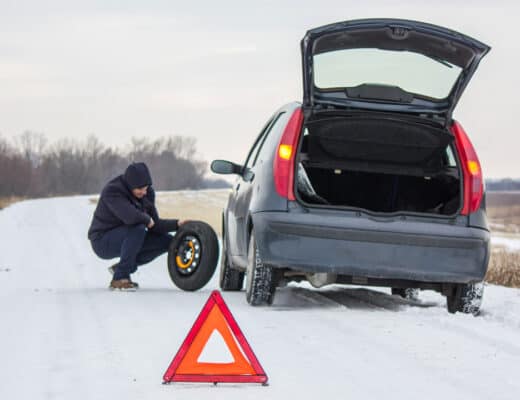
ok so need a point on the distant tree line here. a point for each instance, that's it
(506, 184)
(31, 167)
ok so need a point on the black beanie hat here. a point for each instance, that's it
(137, 175)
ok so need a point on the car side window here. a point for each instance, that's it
(272, 135)
(251, 157)
(450, 157)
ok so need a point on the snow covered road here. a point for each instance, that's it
(63, 335)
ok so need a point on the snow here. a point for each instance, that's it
(215, 350)
(64, 335)
(510, 242)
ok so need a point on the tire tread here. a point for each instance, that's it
(207, 263)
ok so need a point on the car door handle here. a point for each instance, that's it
(238, 187)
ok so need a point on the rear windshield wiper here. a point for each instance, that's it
(379, 92)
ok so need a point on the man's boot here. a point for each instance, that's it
(123, 284)
(112, 270)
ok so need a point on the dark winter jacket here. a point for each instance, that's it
(118, 206)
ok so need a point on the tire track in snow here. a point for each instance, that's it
(361, 298)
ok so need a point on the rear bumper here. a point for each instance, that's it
(360, 247)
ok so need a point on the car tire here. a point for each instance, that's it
(260, 281)
(466, 298)
(406, 293)
(193, 255)
(230, 278)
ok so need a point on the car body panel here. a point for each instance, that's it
(354, 246)
(257, 194)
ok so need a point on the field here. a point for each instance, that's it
(187, 205)
(7, 201)
(504, 213)
(503, 209)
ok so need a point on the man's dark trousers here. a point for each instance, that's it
(134, 244)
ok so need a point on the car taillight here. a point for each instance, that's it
(283, 168)
(472, 173)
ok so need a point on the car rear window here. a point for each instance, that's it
(412, 72)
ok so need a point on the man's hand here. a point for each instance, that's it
(151, 223)
(180, 223)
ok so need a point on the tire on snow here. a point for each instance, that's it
(466, 298)
(230, 278)
(407, 293)
(203, 267)
(261, 280)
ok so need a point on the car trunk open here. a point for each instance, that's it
(378, 97)
(378, 163)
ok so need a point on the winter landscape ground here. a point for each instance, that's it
(64, 335)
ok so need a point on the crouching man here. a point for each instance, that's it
(126, 225)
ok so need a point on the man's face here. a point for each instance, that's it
(140, 192)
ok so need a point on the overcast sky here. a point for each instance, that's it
(217, 70)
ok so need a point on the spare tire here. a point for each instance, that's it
(193, 255)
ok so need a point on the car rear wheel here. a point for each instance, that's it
(466, 298)
(406, 293)
(261, 284)
(230, 278)
(193, 255)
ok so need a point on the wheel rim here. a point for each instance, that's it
(188, 255)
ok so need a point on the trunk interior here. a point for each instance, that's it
(379, 164)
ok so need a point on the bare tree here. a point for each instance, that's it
(33, 168)
(32, 145)
(15, 171)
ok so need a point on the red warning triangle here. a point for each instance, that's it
(185, 367)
